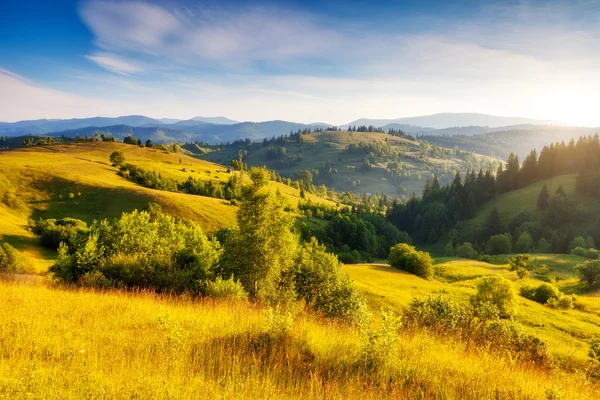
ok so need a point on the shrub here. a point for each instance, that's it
(379, 344)
(439, 313)
(578, 251)
(594, 352)
(497, 291)
(225, 289)
(466, 250)
(320, 280)
(563, 302)
(54, 231)
(136, 250)
(10, 260)
(278, 323)
(519, 264)
(485, 258)
(546, 292)
(591, 253)
(577, 242)
(405, 257)
(499, 244)
(589, 272)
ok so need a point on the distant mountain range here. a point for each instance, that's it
(222, 129)
(449, 120)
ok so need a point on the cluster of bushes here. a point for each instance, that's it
(549, 295)
(261, 258)
(589, 272)
(54, 231)
(405, 257)
(10, 260)
(231, 190)
(479, 322)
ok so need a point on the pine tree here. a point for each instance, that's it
(543, 198)
(493, 224)
(561, 191)
(435, 185)
(427, 189)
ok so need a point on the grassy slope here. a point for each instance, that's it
(567, 332)
(56, 343)
(43, 177)
(323, 146)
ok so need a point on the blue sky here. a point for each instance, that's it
(303, 61)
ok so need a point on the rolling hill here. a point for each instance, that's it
(77, 180)
(343, 168)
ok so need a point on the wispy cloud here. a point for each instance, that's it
(114, 63)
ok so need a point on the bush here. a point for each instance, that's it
(10, 260)
(563, 302)
(466, 250)
(439, 313)
(449, 250)
(589, 272)
(485, 258)
(594, 352)
(592, 253)
(278, 322)
(579, 251)
(137, 250)
(229, 289)
(545, 292)
(54, 231)
(577, 242)
(499, 244)
(379, 344)
(405, 257)
(320, 280)
(497, 291)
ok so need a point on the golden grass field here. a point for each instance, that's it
(73, 344)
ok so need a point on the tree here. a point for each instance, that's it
(117, 158)
(497, 291)
(524, 243)
(260, 252)
(148, 143)
(543, 198)
(561, 191)
(543, 246)
(519, 264)
(466, 250)
(493, 224)
(499, 244)
(577, 242)
(589, 272)
(405, 257)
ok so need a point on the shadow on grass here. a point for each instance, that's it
(27, 242)
(85, 202)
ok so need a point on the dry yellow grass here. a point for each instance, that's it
(65, 344)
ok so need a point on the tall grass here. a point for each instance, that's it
(57, 343)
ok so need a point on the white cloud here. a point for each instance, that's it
(114, 63)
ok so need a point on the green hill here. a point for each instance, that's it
(355, 162)
(77, 180)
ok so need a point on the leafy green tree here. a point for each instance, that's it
(589, 243)
(497, 291)
(493, 224)
(524, 243)
(449, 250)
(499, 244)
(466, 250)
(117, 158)
(543, 246)
(260, 252)
(589, 272)
(577, 242)
(543, 198)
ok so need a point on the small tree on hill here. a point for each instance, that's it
(117, 158)
(524, 243)
(543, 198)
(519, 264)
(589, 272)
(499, 244)
(493, 224)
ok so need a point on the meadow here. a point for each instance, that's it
(75, 343)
